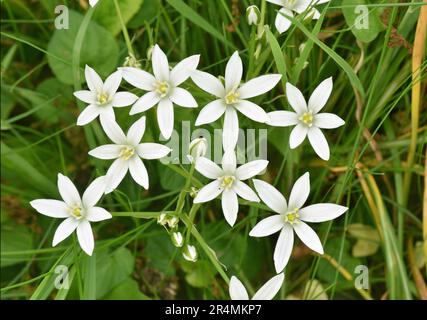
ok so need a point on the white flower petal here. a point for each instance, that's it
(94, 192)
(85, 96)
(138, 78)
(88, 114)
(308, 236)
(268, 226)
(320, 95)
(208, 168)
(301, 5)
(64, 229)
(230, 131)
(183, 98)
(106, 114)
(51, 208)
(230, 206)
(208, 83)
(152, 151)
(318, 142)
(278, 2)
(112, 83)
(147, 101)
(160, 64)
(299, 192)
(106, 152)
(183, 69)
(114, 132)
(321, 212)
(282, 23)
(211, 112)
(250, 169)
(252, 111)
(93, 80)
(271, 196)
(138, 171)
(258, 86)
(327, 121)
(282, 118)
(208, 192)
(233, 72)
(68, 191)
(237, 290)
(115, 174)
(135, 132)
(85, 237)
(96, 214)
(244, 191)
(165, 117)
(123, 99)
(270, 288)
(283, 249)
(297, 136)
(296, 99)
(229, 162)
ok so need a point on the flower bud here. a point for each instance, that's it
(173, 221)
(130, 61)
(162, 219)
(190, 253)
(177, 239)
(253, 15)
(193, 192)
(197, 148)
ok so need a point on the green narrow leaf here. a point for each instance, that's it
(89, 290)
(197, 19)
(278, 56)
(338, 59)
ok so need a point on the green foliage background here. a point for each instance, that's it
(134, 258)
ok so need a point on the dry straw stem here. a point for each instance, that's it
(417, 57)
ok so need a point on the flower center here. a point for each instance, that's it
(102, 98)
(232, 97)
(162, 88)
(76, 211)
(307, 118)
(227, 182)
(292, 216)
(126, 153)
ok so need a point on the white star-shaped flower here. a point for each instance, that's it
(102, 97)
(163, 88)
(299, 6)
(307, 119)
(128, 152)
(290, 218)
(228, 181)
(232, 98)
(78, 212)
(267, 292)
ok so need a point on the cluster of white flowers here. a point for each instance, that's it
(228, 180)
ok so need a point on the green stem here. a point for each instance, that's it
(124, 30)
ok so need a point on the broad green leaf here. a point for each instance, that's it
(106, 14)
(368, 240)
(126, 290)
(170, 180)
(148, 11)
(159, 251)
(365, 22)
(100, 50)
(200, 274)
(279, 59)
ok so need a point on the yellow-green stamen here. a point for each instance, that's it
(307, 118)
(76, 211)
(292, 217)
(162, 88)
(232, 97)
(126, 153)
(102, 98)
(227, 182)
